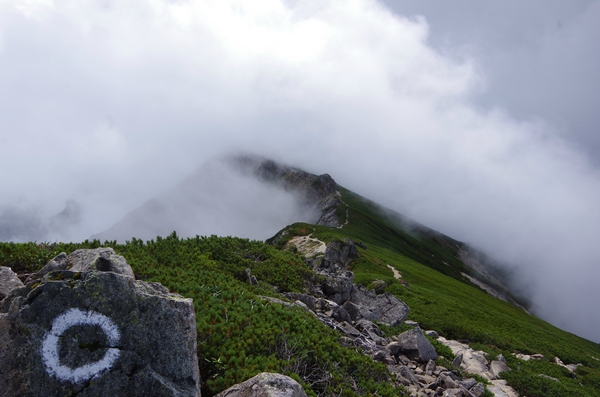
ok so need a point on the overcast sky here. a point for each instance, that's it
(478, 119)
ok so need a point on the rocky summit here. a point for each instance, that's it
(96, 333)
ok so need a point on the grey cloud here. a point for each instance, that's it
(111, 105)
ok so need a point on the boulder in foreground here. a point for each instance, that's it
(97, 334)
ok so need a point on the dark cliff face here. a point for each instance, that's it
(317, 192)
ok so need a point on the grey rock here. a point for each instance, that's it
(407, 374)
(447, 382)
(477, 390)
(340, 314)
(432, 334)
(501, 358)
(430, 367)
(384, 308)
(352, 309)
(341, 253)
(349, 330)
(59, 262)
(380, 355)
(370, 330)
(101, 259)
(468, 383)
(338, 288)
(8, 281)
(411, 323)
(306, 299)
(116, 337)
(457, 360)
(416, 346)
(497, 367)
(265, 385)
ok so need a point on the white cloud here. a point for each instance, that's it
(111, 103)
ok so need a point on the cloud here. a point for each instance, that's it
(112, 103)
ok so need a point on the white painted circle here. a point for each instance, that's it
(71, 318)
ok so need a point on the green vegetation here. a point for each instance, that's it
(240, 334)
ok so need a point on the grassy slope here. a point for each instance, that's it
(440, 300)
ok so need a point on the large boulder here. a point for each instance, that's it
(384, 308)
(97, 334)
(414, 345)
(265, 385)
(8, 281)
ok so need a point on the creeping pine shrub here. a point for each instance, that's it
(239, 333)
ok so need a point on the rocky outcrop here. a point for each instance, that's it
(476, 362)
(93, 333)
(265, 385)
(338, 286)
(8, 281)
(319, 192)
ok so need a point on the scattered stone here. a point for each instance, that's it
(411, 323)
(8, 281)
(265, 385)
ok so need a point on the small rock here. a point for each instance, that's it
(8, 281)
(430, 368)
(477, 390)
(497, 367)
(432, 334)
(457, 361)
(468, 383)
(265, 385)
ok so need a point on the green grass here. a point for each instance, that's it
(239, 333)
(440, 299)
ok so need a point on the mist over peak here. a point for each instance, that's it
(228, 195)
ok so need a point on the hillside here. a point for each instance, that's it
(241, 334)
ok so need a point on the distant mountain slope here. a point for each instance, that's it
(254, 197)
(222, 197)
